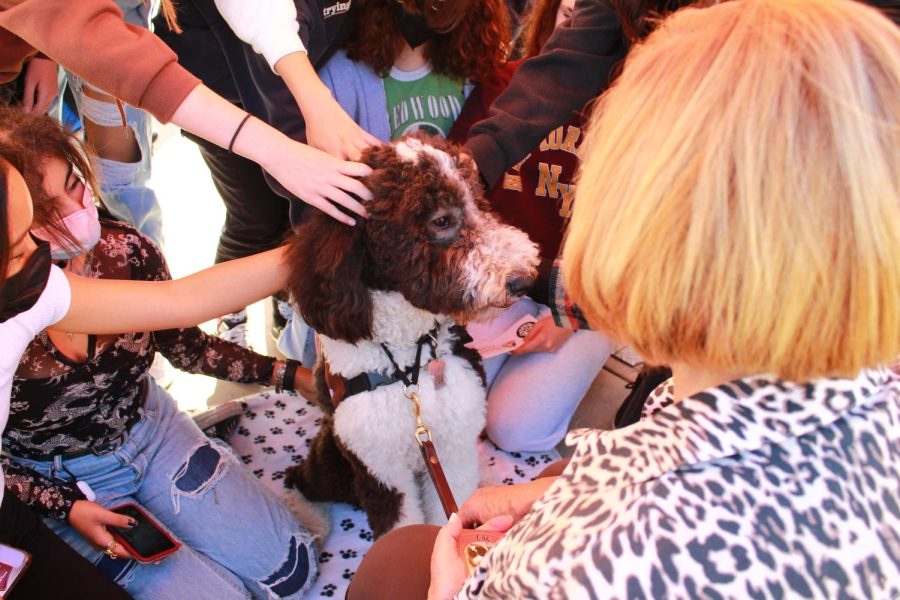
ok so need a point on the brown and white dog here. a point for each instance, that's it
(429, 258)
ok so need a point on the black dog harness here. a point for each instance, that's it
(367, 382)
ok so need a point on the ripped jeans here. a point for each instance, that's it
(125, 186)
(238, 539)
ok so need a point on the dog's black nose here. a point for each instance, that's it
(517, 286)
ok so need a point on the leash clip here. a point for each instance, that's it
(422, 434)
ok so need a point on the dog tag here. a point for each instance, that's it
(436, 370)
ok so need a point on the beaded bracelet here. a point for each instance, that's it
(278, 375)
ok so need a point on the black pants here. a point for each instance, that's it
(256, 218)
(56, 570)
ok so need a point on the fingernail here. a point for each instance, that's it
(351, 222)
(132, 523)
(452, 518)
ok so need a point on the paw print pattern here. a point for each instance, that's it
(243, 431)
(280, 405)
(508, 480)
(250, 414)
(300, 412)
(259, 473)
(269, 414)
(347, 524)
(301, 432)
(277, 476)
(348, 574)
(268, 450)
(247, 458)
(546, 459)
(518, 471)
(318, 422)
(276, 431)
(289, 449)
(345, 554)
(531, 461)
(260, 439)
(365, 534)
(328, 590)
(324, 557)
(289, 421)
(297, 459)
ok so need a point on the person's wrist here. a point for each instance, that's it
(313, 99)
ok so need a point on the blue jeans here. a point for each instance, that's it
(124, 185)
(239, 540)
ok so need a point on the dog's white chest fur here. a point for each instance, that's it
(378, 426)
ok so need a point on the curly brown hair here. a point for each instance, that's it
(26, 141)
(541, 24)
(472, 37)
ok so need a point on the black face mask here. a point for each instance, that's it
(413, 27)
(22, 290)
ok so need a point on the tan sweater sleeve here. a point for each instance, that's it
(91, 39)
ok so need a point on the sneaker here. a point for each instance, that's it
(233, 328)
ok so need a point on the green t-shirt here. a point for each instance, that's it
(422, 100)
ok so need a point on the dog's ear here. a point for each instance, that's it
(326, 261)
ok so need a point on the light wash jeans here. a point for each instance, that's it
(124, 185)
(239, 540)
(532, 397)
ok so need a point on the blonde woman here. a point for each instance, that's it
(737, 217)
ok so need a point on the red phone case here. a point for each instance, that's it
(138, 557)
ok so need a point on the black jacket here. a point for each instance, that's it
(578, 62)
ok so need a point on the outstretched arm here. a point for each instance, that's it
(114, 306)
(312, 175)
(576, 65)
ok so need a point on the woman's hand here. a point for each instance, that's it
(448, 571)
(512, 500)
(545, 336)
(40, 85)
(330, 128)
(91, 521)
(305, 383)
(315, 177)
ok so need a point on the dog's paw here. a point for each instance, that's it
(314, 516)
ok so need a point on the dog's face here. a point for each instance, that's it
(429, 236)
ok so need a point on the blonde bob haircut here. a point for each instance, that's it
(738, 208)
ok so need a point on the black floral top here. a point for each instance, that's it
(63, 406)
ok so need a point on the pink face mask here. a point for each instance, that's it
(83, 225)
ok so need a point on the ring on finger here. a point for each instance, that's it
(110, 549)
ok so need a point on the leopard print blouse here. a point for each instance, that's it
(755, 489)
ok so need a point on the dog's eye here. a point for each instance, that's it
(441, 222)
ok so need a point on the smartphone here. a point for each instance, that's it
(13, 563)
(147, 542)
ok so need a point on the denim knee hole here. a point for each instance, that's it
(203, 467)
(293, 575)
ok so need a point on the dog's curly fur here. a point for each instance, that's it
(429, 254)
